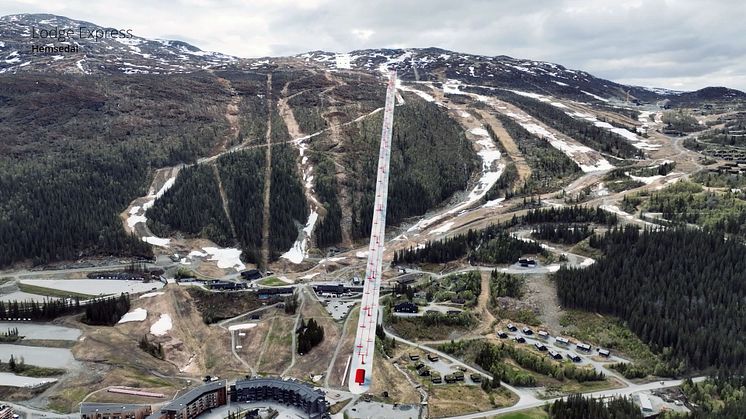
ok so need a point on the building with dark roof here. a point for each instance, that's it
(195, 402)
(406, 307)
(251, 274)
(114, 411)
(288, 392)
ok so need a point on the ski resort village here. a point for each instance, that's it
(383, 233)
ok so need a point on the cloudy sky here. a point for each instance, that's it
(678, 44)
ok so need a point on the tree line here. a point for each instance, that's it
(106, 311)
(679, 290)
(491, 245)
(562, 233)
(577, 406)
(581, 130)
(65, 178)
(550, 168)
(310, 334)
(430, 160)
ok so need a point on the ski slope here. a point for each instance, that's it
(361, 363)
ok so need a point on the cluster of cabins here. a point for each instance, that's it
(559, 340)
(312, 402)
(736, 167)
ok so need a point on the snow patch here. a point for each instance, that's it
(443, 229)
(152, 294)
(226, 258)
(162, 326)
(136, 315)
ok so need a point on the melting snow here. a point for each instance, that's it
(226, 258)
(152, 294)
(136, 315)
(162, 326)
(595, 96)
(300, 248)
(443, 229)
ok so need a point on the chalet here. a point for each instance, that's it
(419, 366)
(453, 312)
(477, 378)
(520, 339)
(555, 355)
(459, 375)
(543, 334)
(584, 347)
(406, 307)
(450, 378)
(424, 372)
(502, 335)
(604, 352)
(540, 346)
(435, 378)
(251, 274)
(527, 331)
(432, 357)
(512, 327)
(414, 357)
(574, 357)
(457, 300)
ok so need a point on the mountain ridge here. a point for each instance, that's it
(139, 55)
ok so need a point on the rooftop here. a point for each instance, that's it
(87, 408)
(193, 394)
(304, 390)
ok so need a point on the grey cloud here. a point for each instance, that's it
(681, 44)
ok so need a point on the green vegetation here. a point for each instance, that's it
(492, 358)
(106, 311)
(39, 311)
(720, 180)
(683, 303)
(429, 326)
(577, 406)
(272, 281)
(18, 366)
(680, 121)
(581, 130)
(51, 292)
(91, 155)
(192, 206)
(562, 233)
(464, 286)
(686, 202)
(216, 306)
(430, 160)
(550, 168)
(154, 349)
(328, 229)
(492, 245)
(536, 413)
(310, 334)
(506, 285)
(611, 333)
(715, 398)
(10, 336)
